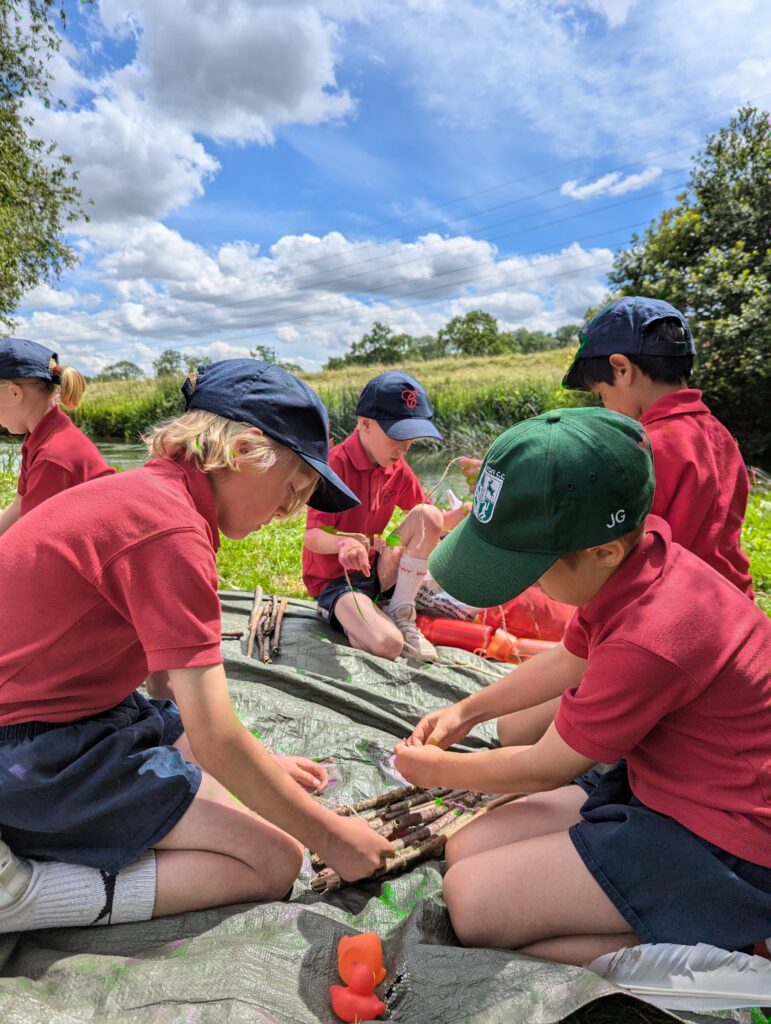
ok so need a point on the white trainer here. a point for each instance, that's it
(14, 876)
(415, 644)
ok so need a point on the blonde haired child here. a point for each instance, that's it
(91, 771)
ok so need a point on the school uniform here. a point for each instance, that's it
(56, 455)
(701, 482)
(677, 692)
(381, 490)
(96, 595)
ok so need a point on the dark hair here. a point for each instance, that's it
(660, 369)
(629, 540)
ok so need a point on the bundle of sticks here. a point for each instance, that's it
(418, 822)
(264, 631)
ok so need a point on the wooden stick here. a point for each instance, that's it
(254, 620)
(232, 634)
(277, 632)
(377, 801)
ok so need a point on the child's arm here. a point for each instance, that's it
(543, 677)
(10, 515)
(546, 765)
(229, 752)
(351, 549)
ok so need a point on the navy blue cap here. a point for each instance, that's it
(22, 358)
(621, 327)
(283, 407)
(399, 405)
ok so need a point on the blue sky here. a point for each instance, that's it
(286, 173)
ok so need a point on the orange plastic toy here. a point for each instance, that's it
(357, 1001)
(360, 949)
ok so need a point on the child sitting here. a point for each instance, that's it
(124, 585)
(663, 670)
(392, 412)
(55, 454)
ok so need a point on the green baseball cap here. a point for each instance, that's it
(563, 481)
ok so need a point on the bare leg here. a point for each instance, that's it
(366, 627)
(521, 728)
(420, 530)
(536, 815)
(221, 852)
(542, 892)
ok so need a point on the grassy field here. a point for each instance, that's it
(474, 399)
(272, 557)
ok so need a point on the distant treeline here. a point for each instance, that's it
(476, 333)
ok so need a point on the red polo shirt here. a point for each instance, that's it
(678, 682)
(701, 482)
(56, 455)
(381, 490)
(103, 584)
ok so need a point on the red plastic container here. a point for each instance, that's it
(480, 639)
(469, 636)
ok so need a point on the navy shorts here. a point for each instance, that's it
(669, 884)
(334, 590)
(98, 791)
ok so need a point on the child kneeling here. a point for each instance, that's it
(663, 673)
(392, 411)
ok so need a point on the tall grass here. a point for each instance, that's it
(474, 399)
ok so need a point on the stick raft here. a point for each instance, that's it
(418, 822)
(265, 620)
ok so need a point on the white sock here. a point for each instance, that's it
(69, 895)
(412, 572)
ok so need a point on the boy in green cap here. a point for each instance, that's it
(663, 673)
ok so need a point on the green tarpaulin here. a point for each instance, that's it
(273, 963)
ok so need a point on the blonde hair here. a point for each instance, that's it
(70, 389)
(214, 442)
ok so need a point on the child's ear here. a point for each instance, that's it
(610, 554)
(623, 369)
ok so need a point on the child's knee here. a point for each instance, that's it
(458, 890)
(432, 518)
(287, 862)
(386, 645)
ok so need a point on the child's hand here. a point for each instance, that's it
(309, 774)
(440, 728)
(353, 555)
(470, 469)
(422, 766)
(354, 850)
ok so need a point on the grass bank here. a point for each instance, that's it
(272, 557)
(474, 398)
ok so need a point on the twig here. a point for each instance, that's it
(254, 620)
(232, 634)
(377, 801)
(277, 631)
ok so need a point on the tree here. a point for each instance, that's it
(474, 334)
(169, 363)
(710, 255)
(122, 370)
(192, 361)
(567, 334)
(38, 191)
(380, 345)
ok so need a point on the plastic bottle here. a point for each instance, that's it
(469, 636)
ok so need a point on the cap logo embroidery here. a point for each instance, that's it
(486, 495)
(410, 397)
(616, 518)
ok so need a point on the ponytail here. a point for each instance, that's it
(72, 384)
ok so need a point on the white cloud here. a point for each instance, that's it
(234, 69)
(43, 296)
(309, 297)
(613, 184)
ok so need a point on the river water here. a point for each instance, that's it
(429, 465)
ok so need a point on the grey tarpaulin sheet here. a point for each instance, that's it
(272, 964)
